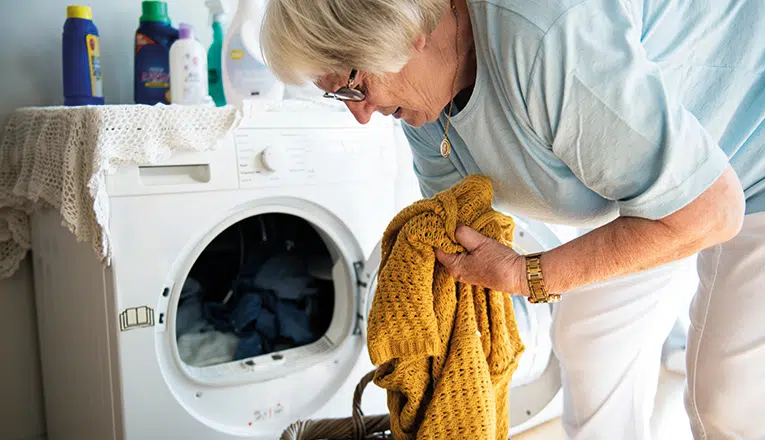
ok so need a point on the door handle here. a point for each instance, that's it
(155, 175)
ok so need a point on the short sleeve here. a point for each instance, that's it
(433, 172)
(607, 112)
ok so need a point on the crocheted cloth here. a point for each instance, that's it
(446, 350)
(59, 157)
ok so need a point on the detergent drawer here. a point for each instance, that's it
(184, 171)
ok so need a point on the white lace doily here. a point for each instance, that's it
(59, 157)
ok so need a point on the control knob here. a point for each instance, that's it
(273, 158)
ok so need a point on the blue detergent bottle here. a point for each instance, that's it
(153, 39)
(81, 58)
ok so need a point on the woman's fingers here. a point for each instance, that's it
(469, 238)
(486, 263)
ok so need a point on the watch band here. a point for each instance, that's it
(537, 290)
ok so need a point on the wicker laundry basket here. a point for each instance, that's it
(356, 427)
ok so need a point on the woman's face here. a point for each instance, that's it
(417, 94)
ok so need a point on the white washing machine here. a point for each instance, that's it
(278, 223)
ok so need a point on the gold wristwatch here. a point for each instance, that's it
(537, 289)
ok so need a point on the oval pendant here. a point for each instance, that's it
(446, 148)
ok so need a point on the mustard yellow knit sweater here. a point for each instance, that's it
(446, 351)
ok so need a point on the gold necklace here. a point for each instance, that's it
(446, 147)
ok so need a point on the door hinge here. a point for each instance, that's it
(162, 308)
(361, 284)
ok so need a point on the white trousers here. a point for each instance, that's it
(608, 337)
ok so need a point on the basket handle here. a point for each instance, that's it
(356, 426)
(359, 423)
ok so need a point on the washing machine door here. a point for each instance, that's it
(257, 396)
(368, 286)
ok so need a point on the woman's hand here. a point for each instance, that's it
(487, 263)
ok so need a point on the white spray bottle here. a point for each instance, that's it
(245, 75)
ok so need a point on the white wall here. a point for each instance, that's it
(21, 407)
(30, 68)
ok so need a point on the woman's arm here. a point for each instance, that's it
(631, 244)
(607, 111)
(624, 246)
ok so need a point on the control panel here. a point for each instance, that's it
(267, 157)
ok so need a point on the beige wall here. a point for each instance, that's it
(30, 68)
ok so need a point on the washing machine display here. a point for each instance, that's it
(283, 157)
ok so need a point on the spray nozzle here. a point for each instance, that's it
(217, 10)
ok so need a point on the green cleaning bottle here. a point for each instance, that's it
(215, 53)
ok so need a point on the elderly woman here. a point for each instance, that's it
(640, 120)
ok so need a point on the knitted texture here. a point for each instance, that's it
(446, 350)
(59, 157)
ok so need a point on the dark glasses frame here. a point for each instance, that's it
(348, 92)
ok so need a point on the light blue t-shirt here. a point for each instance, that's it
(586, 110)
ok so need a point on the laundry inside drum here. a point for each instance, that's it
(263, 286)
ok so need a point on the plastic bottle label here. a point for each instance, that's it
(153, 69)
(248, 77)
(152, 76)
(94, 62)
(193, 86)
(237, 54)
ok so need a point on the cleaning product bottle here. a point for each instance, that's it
(153, 39)
(215, 53)
(245, 75)
(81, 58)
(188, 68)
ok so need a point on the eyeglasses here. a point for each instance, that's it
(348, 92)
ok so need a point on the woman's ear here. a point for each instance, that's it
(420, 42)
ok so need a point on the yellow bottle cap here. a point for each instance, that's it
(79, 12)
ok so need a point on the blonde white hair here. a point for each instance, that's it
(305, 39)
